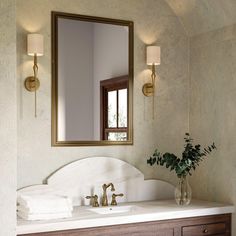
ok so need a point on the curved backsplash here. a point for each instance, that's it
(86, 177)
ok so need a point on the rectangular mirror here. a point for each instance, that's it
(92, 80)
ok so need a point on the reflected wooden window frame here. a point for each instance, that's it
(113, 84)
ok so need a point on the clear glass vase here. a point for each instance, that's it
(183, 192)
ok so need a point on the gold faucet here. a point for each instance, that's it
(94, 200)
(113, 201)
(104, 195)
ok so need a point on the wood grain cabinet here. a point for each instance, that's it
(218, 225)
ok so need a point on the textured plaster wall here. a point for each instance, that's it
(7, 118)
(199, 16)
(154, 22)
(213, 114)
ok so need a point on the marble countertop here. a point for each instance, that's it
(141, 212)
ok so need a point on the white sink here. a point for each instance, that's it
(113, 209)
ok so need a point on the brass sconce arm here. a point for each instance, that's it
(149, 88)
(153, 59)
(153, 75)
(34, 48)
(32, 83)
(35, 66)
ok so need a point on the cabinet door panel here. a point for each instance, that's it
(122, 231)
(218, 225)
(151, 234)
(166, 232)
(201, 230)
(134, 232)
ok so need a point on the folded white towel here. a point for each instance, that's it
(37, 202)
(44, 216)
(44, 209)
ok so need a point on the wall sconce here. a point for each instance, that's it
(153, 59)
(35, 49)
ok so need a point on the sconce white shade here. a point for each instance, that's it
(35, 44)
(153, 55)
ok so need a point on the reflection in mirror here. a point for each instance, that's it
(92, 80)
(114, 105)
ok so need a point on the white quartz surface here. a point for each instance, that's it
(77, 181)
(142, 212)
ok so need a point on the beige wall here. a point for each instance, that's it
(201, 16)
(213, 114)
(153, 22)
(212, 100)
(7, 118)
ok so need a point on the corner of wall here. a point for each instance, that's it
(8, 127)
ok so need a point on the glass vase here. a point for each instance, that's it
(183, 192)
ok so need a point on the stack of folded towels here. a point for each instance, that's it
(43, 207)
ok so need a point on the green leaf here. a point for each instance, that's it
(191, 157)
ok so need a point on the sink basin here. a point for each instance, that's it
(113, 209)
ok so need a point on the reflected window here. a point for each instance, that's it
(114, 109)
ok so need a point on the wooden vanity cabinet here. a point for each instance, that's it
(218, 225)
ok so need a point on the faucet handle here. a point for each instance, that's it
(94, 199)
(113, 201)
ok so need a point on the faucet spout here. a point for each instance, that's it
(106, 186)
(104, 196)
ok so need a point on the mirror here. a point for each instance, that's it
(92, 80)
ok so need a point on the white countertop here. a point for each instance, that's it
(144, 212)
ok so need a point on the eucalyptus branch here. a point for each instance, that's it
(191, 157)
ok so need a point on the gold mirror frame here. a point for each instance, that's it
(54, 27)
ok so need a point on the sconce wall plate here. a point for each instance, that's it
(32, 83)
(148, 89)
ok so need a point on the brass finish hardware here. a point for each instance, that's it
(30, 83)
(113, 201)
(149, 88)
(94, 200)
(104, 195)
